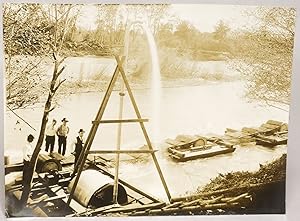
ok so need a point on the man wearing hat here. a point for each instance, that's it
(62, 133)
(79, 142)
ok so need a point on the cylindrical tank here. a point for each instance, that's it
(45, 164)
(95, 190)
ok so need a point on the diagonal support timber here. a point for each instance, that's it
(119, 63)
(84, 153)
(120, 121)
(86, 149)
(120, 151)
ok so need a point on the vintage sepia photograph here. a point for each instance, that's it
(119, 110)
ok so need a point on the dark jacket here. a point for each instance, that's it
(78, 147)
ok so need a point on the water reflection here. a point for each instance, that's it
(188, 110)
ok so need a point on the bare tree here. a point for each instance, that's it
(58, 18)
(265, 55)
(25, 37)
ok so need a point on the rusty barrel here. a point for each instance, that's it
(45, 163)
(95, 190)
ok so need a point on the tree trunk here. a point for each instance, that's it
(32, 165)
(33, 161)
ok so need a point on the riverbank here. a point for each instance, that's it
(266, 187)
(140, 84)
(270, 172)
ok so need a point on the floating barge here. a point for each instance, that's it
(185, 147)
(269, 134)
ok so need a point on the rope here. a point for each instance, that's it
(20, 118)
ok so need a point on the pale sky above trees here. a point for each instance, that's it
(204, 16)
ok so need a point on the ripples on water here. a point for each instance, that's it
(187, 110)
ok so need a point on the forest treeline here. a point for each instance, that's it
(170, 32)
(262, 51)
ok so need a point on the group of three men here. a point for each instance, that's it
(62, 131)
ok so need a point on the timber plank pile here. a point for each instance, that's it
(192, 205)
(271, 134)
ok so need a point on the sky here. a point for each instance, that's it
(203, 16)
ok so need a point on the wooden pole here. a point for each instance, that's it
(119, 140)
(120, 151)
(119, 62)
(123, 121)
(88, 143)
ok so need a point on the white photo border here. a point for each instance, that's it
(293, 163)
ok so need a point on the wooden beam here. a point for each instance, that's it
(180, 211)
(119, 62)
(120, 151)
(131, 208)
(120, 121)
(92, 133)
(44, 200)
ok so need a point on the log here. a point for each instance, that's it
(172, 205)
(222, 191)
(198, 208)
(211, 201)
(13, 168)
(202, 202)
(234, 199)
(45, 199)
(131, 208)
(191, 203)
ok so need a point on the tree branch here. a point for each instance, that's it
(55, 89)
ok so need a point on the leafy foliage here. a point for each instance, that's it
(265, 55)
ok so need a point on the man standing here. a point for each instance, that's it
(27, 153)
(62, 133)
(50, 136)
(78, 143)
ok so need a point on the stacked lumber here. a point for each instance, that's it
(198, 205)
(272, 131)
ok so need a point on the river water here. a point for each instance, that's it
(208, 108)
